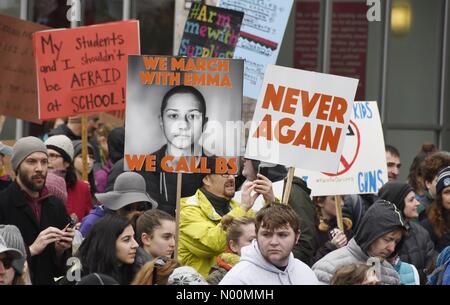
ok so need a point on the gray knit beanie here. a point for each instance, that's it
(25, 147)
(13, 239)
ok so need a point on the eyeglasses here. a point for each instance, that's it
(7, 262)
(159, 262)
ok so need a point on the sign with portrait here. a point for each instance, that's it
(182, 110)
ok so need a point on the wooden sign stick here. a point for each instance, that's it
(288, 185)
(177, 213)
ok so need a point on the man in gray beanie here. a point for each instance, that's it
(41, 218)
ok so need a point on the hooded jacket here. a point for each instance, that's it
(417, 248)
(254, 269)
(381, 218)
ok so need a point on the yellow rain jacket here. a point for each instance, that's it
(201, 235)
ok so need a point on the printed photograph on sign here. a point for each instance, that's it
(301, 119)
(83, 70)
(182, 110)
(362, 167)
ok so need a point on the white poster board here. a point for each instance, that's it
(260, 38)
(301, 119)
(362, 168)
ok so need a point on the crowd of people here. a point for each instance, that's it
(120, 227)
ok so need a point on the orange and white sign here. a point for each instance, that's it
(301, 119)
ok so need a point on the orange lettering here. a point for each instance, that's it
(284, 139)
(290, 100)
(330, 139)
(324, 106)
(164, 166)
(135, 162)
(150, 163)
(304, 136)
(338, 109)
(273, 97)
(308, 105)
(265, 128)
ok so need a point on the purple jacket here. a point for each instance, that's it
(90, 219)
(101, 177)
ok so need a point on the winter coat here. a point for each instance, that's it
(355, 206)
(381, 218)
(224, 263)
(418, 249)
(101, 176)
(202, 237)
(439, 242)
(441, 274)
(323, 240)
(94, 215)
(301, 203)
(15, 210)
(254, 269)
(408, 273)
(79, 200)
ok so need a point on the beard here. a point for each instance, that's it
(30, 183)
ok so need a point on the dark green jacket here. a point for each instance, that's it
(302, 204)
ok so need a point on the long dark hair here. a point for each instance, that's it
(438, 216)
(97, 252)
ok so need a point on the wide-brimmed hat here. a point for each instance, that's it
(128, 188)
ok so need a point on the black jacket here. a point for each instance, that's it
(418, 249)
(15, 210)
(439, 243)
(301, 203)
(323, 240)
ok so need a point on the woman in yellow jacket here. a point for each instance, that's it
(201, 236)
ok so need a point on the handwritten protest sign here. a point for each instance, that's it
(260, 38)
(362, 166)
(83, 70)
(301, 118)
(18, 92)
(187, 107)
(210, 32)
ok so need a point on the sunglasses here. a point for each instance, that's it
(139, 207)
(7, 262)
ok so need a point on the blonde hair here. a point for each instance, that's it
(233, 226)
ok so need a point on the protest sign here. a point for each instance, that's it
(260, 39)
(83, 69)
(18, 92)
(182, 110)
(210, 32)
(362, 166)
(301, 118)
